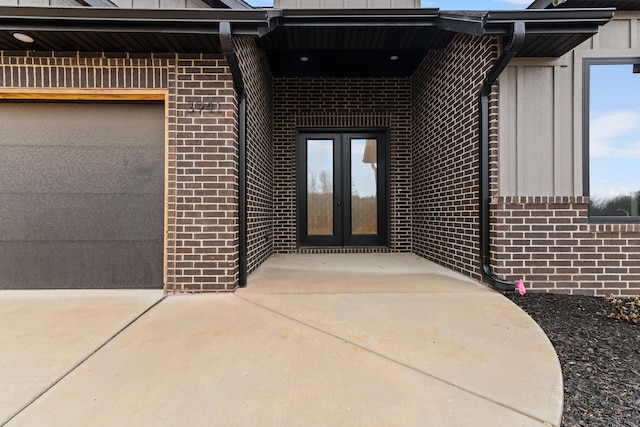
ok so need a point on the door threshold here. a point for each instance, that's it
(342, 249)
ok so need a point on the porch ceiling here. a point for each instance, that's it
(357, 43)
(353, 43)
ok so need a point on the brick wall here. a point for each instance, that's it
(258, 88)
(202, 162)
(549, 242)
(341, 103)
(64, 70)
(206, 174)
(445, 153)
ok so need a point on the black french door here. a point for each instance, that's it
(342, 189)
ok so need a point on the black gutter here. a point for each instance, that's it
(510, 50)
(556, 22)
(137, 15)
(467, 22)
(242, 189)
(226, 43)
(162, 21)
(548, 21)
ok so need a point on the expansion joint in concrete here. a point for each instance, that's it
(80, 363)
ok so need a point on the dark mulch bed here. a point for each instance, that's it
(600, 358)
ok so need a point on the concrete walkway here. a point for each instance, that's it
(314, 340)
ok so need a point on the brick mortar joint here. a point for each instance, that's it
(501, 201)
(84, 62)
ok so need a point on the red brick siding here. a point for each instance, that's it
(445, 153)
(341, 103)
(258, 87)
(202, 149)
(549, 242)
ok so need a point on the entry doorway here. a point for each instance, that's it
(342, 188)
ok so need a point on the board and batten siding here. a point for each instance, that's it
(540, 103)
(40, 3)
(346, 4)
(124, 4)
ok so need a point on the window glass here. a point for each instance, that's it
(614, 139)
(364, 181)
(320, 187)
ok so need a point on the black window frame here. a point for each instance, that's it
(586, 154)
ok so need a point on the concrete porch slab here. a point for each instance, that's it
(423, 315)
(356, 273)
(325, 340)
(221, 360)
(46, 333)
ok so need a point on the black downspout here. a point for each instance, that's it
(242, 189)
(510, 50)
(226, 43)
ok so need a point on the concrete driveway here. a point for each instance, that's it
(314, 340)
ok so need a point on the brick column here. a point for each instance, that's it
(203, 173)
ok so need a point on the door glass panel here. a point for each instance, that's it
(364, 194)
(320, 187)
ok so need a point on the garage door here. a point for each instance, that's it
(81, 195)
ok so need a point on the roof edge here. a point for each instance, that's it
(251, 22)
(549, 20)
(358, 17)
(336, 13)
(540, 4)
(500, 22)
(237, 4)
(131, 15)
(466, 22)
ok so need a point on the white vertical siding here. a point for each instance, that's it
(535, 164)
(39, 3)
(564, 181)
(346, 4)
(128, 4)
(616, 35)
(541, 113)
(146, 4)
(535, 128)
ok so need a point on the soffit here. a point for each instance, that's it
(361, 43)
(352, 42)
(125, 30)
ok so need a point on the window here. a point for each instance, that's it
(612, 139)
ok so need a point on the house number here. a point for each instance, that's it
(202, 106)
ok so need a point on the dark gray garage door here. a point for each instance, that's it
(81, 195)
